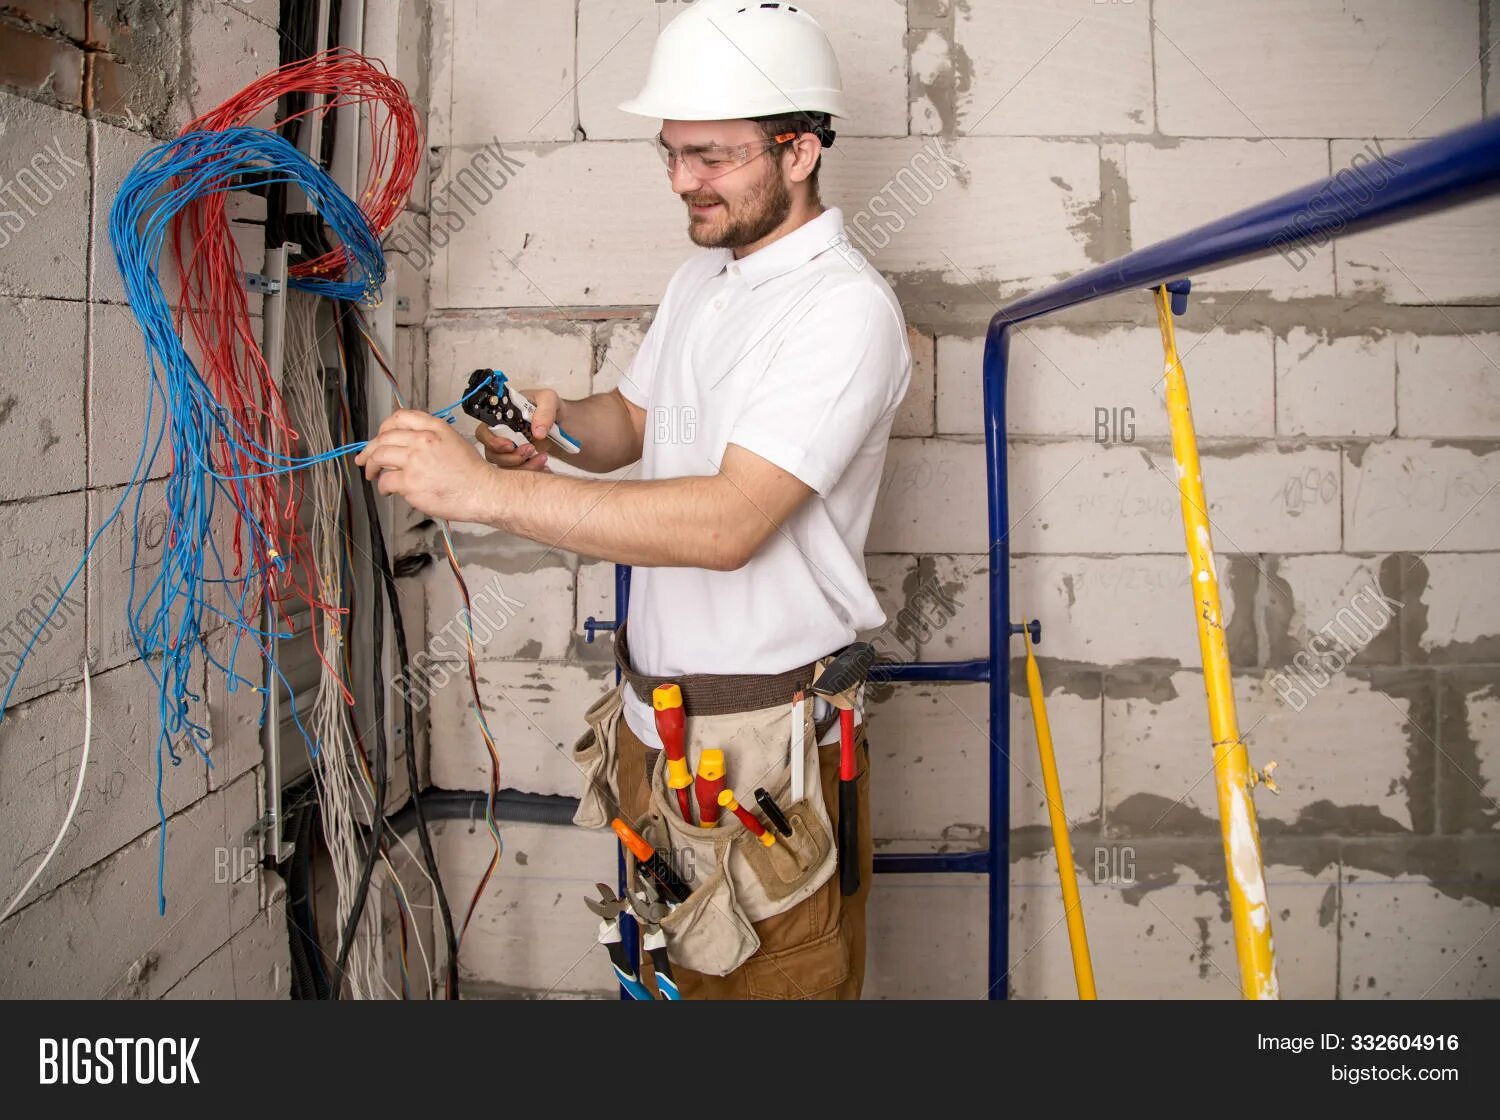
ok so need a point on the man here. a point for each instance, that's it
(759, 406)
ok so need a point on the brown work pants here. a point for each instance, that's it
(815, 950)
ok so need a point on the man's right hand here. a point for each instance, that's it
(511, 456)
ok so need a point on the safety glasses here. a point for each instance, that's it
(711, 161)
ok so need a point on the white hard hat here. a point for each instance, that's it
(729, 59)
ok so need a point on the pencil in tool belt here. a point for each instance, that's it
(652, 862)
(773, 812)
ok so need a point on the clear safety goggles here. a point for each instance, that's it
(714, 160)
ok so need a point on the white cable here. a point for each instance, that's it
(83, 765)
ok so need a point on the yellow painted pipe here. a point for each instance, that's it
(1067, 871)
(1248, 905)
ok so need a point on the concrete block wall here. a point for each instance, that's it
(1345, 399)
(85, 89)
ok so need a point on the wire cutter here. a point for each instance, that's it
(609, 936)
(491, 401)
(649, 909)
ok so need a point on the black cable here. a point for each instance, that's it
(359, 416)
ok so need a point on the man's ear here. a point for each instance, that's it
(806, 151)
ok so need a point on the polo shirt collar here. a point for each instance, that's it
(789, 253)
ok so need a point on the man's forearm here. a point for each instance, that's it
(697, 522)
(602, 426)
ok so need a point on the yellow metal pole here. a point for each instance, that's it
(1248, 905)
(1078, 939)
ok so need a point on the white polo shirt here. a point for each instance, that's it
(797, 353)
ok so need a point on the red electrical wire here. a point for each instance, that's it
(215, 316)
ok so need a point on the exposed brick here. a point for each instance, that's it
(41, 745)
(1167, 934)
(43, 189)
(1082, 498)
(42, 543)
(1174, 188)
(477, 48)
(1069, 382)
(1261, 81)
(136, 953)
(509, 254)
(39, 64)
(68, 17)
(915, 416)
(1327, 385)
(521, 595)
(1456, 625)
(1158, 766)
(1114, 610)
(1344, 595)
(1407, 495)
(128, 91)
(926, 937)
(1449, 257)
(531, 932)
(931, 498)
(552, 357)
(1075, 67)
(1468, 760)
(909, 208)
(1446, 385)
(535, 712)
(41, 406)
(1407, 937)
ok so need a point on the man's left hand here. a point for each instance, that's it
(425, 461)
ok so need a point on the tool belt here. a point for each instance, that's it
(735, 880)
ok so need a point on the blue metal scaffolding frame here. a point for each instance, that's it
(1433, 175)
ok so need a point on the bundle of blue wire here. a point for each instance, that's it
(169, 617)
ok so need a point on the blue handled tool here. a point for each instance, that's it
(504, 407)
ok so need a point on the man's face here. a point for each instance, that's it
(736, 209)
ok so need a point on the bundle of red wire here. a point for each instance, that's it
(215, 308)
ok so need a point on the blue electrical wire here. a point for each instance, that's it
(170, 615)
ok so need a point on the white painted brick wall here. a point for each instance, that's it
(228, 50)
(41, 744)
(1161, 750)
(42, 543)
(45, 254)
(253, 964)
(1171, 941)
(1175, 187)
(915, 416)
(552, 356)
(1329, 385)
(534, 710)
(1455, 613)
(118, 380)
(531, 248)
(1069, 68)
(1452, 257)
(616, 37)
(42, 400)
(1059, 377)
(522, 596)
(531, 930)
(1420, 497)
(1406, 939)
(1446, 386)
(1282, 68)
(118, 946)
(492, 80)
(1080, 497)
(1051, 190)
(931, 498)
(925, 937)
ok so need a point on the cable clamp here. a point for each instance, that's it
(262, 285)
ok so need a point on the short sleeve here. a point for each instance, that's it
(635, 382)
(841, 371)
